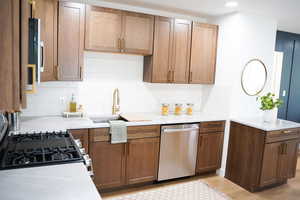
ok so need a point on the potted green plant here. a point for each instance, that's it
(268, 104)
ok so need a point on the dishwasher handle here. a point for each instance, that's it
(169, 130)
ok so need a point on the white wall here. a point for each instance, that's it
(242, 37)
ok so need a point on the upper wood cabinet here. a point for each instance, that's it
(181, 51)
(46, 11)
(103, 29)
(203, 53)
(171, 56)
(157, 68)
(13, 54)
(111, 30)
(70, 41)
(137, 34)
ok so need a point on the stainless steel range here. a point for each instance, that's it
(40, 149)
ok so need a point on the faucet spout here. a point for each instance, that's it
(116, 102)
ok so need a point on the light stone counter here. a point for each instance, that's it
(54, 182)
(260, 124)
(56, 123)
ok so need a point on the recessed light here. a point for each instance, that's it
(231, 4)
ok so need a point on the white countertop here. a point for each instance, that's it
(259, 123)
(57, 123)
(55, 182)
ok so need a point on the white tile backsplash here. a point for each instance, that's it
(102, 74)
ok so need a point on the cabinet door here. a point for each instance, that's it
(103, 29)
(210, 148)
(162, 54)
(271, 159)
(70, 41)
(203, 53)
(83, 136)
(142, 160)
(288, 160)
(137, 37)
(10, 55)
(108, 164)
(181, 51)
(46, 10)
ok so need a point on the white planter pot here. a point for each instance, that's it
(270, 116)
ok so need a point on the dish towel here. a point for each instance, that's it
(118, 131)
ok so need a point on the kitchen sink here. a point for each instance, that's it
(106, 119)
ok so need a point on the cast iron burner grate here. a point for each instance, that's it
(27, 150)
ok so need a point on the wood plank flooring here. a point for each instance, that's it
(289, 191)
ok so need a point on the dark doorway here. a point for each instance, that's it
(289, 44)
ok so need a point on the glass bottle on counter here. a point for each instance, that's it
(189, 108)
(178, 109)
(164, 109)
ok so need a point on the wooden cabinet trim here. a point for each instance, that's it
(133, 132)
(213, 126)
(281, 135)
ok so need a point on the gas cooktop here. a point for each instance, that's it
(37, 149)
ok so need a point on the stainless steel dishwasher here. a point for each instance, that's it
(178, 151)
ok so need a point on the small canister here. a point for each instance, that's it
(189, 108)
(164, 109)
(178, 109)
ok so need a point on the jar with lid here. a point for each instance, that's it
(189, 108)
(164, 109)
(178, 109)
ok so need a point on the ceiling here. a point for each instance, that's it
(286, 12)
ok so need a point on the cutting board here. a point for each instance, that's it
(136, 117)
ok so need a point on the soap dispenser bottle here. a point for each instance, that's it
(73, 104)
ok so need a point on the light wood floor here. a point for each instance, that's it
(289, 191)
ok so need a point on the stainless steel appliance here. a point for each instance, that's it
(36, 53)
(41, 149)
(178, 151)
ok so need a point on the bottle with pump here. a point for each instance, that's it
(73, 104)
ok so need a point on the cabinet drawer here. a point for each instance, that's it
(216, 126)
(133, 132)
(280, 135)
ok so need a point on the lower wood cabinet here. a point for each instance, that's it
(142, 160)
(108, 164)
(279, 162)
(122, 164)
(258, 159)
(210, 148)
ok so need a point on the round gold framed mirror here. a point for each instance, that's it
(254, 77)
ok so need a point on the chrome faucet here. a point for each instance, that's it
(116, 102)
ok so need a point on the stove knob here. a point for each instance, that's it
(82, 151)
(78, 143)
(91, 173)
